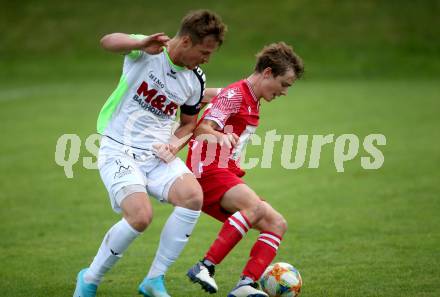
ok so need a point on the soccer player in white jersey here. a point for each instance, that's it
(137, 152)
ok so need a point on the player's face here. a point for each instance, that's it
(196, 54)
(272, 87)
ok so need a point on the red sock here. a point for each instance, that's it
(233, 230)
(262, 254)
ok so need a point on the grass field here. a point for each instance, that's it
(357, 233)
(372, 67)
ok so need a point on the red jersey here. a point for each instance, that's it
(235, 109)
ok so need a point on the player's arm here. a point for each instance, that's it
(168, 151)
(124, 43)
(209, 127)
(185, 130)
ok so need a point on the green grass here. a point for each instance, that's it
(342, 38)
(371, 67)
(357, 233)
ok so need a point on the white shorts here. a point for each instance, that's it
(125, 170)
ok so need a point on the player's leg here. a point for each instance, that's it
(245, 208)
(127, 194)
(175, 184)
(272, 228)
(137, 215)
(241, 201)
(273, 221)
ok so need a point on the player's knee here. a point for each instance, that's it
(279, 223)
(141, 220)
(273, 222)
(141, 223)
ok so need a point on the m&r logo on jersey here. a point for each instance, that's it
(150, 100)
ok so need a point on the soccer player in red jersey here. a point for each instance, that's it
(219, 139)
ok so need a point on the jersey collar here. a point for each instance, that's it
(174, 66)
(251, 89)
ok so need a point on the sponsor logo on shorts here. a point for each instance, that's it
(123, 171)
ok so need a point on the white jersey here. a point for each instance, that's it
(142, 109)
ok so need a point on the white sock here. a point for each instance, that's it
(115, 242)
(175, 235)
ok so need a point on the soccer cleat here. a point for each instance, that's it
(84, 289)
(203, 275)
(247, 290)
(153, 287)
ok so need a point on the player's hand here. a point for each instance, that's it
(153, 44)
(228, 139)
(167, 152)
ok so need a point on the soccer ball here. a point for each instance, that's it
(281, 280)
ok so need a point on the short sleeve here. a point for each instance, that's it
(193, 104)
(135, 54)
(228, 102)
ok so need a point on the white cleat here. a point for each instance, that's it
(203, 275)
(247, 290)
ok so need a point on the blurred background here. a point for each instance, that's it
(371, 67)
(363, 39)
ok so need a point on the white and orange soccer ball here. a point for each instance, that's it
(281, 280)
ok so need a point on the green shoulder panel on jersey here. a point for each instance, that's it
(174, 66)
(110, 105)
(115, 98)
(136, 53)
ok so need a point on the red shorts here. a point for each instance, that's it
(215, 183)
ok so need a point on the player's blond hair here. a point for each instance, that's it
(201, 23)
(279, 57)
